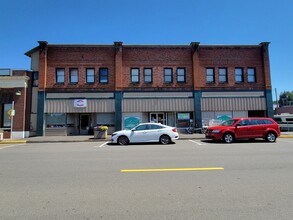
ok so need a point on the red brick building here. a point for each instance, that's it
(15, 103)
(80, 86)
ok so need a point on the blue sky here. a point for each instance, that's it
(24, 22)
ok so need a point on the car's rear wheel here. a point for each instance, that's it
(228, 138)
(165, 139)
(123, 140)
(271, 137)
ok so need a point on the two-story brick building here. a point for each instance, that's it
(79, 86)
(15, 103)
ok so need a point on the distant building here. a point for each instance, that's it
(80, 86)
(284, 110)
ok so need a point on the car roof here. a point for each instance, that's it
(251, 118)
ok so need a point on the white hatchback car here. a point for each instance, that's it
(146, 132)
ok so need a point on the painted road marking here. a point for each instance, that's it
(102, 145)
(172, 169)
(9, 146)
(198, 143)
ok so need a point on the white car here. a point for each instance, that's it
(146, 132)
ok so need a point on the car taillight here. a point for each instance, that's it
(174, 129)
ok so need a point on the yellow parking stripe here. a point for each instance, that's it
(173, 169)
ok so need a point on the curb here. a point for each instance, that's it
(286, 136)
(13, 142)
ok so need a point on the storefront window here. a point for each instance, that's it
(6, 116)
(184, 119)
(55, 120)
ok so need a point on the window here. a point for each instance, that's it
(152, 127)
(268, 122)
(90, 75)
(6, 118)
(168, 75)
(73, 76)
(4, 72)
(180, 74)
(59, 75)
(251, 74)
(147, 72)
(210, 75)
(35, 78)
(134, 75)
(244, 122)
(103, 75)
(142, 127)
(223, 75)
(238, 75)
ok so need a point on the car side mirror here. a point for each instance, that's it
(133, 129)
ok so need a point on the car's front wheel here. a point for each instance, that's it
(228, 138)
(165, 139)
(123, 140)
(271, 137)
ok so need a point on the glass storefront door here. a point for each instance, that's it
(158, 118)
(84, 124)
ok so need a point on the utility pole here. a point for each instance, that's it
(277, 101)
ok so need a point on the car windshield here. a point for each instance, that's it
(229, 122)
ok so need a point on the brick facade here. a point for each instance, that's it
(119, 59)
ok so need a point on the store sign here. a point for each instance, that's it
(80, 103)
(183, 116)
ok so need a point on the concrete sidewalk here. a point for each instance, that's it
(89, 138)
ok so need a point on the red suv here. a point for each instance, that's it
(238, 128)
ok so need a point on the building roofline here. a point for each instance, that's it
(28, 53)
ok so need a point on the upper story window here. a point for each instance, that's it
(168, 75)
(35, 78)
(251, 75)
(239, 74)
(5, 72)
(90, 75)
(210, 75)
(148, 75)
(60, 72)
(134, 72)
(103, 75)
(180, 74)
(223, 76)
(73, 75)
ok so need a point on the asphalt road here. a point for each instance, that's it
(84, 181)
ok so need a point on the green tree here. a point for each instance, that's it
(286, 98)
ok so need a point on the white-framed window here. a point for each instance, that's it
(210, 75)
(239, 74)
(168, 75)
(90, 75)
(134, 72)
(223, 76)
(148, 75)
(181, 75)
(60, 75)
(251, 75)
(73, 75)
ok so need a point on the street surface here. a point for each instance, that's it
(94, 180)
